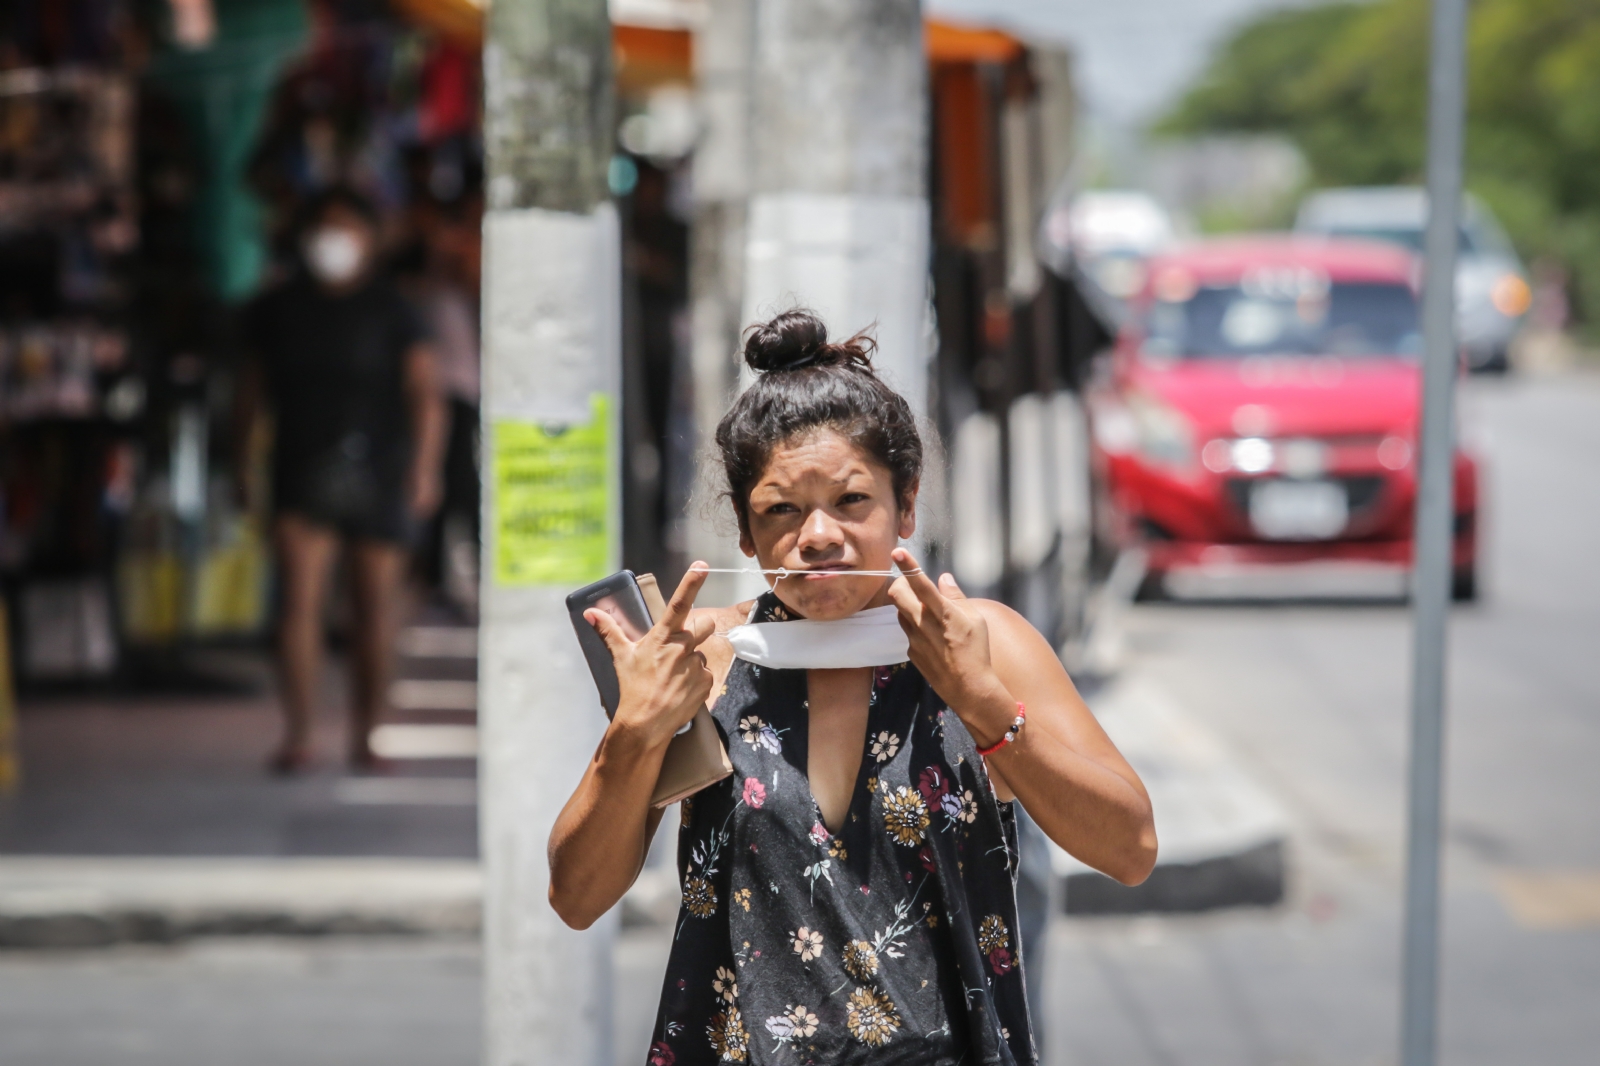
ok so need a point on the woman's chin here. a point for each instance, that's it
(821, 604)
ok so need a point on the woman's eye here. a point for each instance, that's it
(781, 508)
(853, 497)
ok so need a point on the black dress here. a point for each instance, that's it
(335, 374)
(893, 942)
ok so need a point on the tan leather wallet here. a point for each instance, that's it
(695, 758)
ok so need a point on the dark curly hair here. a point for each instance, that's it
(806, 384)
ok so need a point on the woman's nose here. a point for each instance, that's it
(819, 533)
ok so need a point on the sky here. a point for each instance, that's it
(1134, 56)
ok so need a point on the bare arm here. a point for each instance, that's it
(599, 840)
(428, 417)
(983, 659)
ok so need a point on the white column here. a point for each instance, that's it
(552, 358)
(838, 216)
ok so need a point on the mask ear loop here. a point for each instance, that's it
(783, 572)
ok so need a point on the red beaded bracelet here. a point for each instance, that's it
(1011, 734)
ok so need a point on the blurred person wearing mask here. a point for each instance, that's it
(342, 362)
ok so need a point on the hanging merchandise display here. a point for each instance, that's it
(67, 228)
(222, 92)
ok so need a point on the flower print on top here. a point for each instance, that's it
(807, 944)
(699, 898)
(792, 1026)
(755, 793)
(871, 1018)
(994, 940)
(758, 734)
(727, 1037)
(905, 816)
(860, 960)
(856, 944)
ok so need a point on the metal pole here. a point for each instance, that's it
(551, 465)
(1431, 568)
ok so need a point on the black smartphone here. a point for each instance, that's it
(618, 596)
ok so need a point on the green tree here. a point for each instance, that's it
(1347, 83)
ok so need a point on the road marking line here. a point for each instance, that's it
(407, 792)
(439, 642)
(394, 741)
(414, 695)
(1551, 899)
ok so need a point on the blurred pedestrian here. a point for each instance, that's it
(340, 359)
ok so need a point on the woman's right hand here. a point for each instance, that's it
(663, 678)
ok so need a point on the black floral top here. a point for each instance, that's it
(893, 942)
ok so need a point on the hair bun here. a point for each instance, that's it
(798, 339)
(792, 340)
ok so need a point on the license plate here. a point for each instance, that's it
(1299, 510)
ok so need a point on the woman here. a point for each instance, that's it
(359, 426)
(848, 892)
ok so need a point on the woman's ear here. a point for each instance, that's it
(908, 510)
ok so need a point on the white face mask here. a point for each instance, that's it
(866, 638)
(335, 255)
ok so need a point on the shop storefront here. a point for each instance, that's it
(152, 155)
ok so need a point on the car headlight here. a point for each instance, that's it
(1166, 436)
(1511, 296)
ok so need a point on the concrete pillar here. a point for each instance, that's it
(838, 216)
(722, 55)
(551, 347)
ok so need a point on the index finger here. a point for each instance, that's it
(682, 601)
(912, 575)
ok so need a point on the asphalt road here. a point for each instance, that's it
(1311, 698)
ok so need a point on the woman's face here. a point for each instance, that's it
(824, 505)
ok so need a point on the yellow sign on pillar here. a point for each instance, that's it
(553, 519)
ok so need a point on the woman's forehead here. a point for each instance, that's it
(820, 456)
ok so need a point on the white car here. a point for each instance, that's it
(1492, 293)
(1110, 233)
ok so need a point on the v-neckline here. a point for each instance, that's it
(864, 770)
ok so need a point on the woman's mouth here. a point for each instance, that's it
(823, 571)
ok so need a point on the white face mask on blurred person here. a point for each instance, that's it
(335, 254)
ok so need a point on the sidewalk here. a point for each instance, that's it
(148, 817)
(185, 774)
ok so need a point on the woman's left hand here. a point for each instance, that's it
(950, 646)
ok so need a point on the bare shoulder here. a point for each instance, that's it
(998, 614)
(1013, 639)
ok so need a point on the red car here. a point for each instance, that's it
(1263, 406)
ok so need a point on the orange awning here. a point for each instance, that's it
(652, 55)
(951, 42)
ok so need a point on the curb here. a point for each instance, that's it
(79, 902)
(1223, 837)
(1250, 878)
